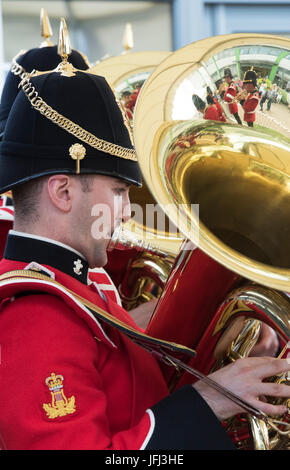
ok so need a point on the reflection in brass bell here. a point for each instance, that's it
(239, 176)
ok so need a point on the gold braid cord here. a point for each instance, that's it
(40, 105)
(17, 69)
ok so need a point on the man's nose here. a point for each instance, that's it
(126, 214)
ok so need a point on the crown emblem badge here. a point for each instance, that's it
(60, 405)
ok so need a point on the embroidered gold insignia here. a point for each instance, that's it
(60, 405)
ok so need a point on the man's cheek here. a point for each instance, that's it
(101, 227)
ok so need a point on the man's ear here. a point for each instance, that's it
(60, 192)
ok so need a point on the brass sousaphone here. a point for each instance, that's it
(237, 275)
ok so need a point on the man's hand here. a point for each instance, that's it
(244, 378)
(142, 314)
(267, 344)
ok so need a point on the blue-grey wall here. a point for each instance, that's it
(198, 19)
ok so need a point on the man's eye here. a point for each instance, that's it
(120, 191)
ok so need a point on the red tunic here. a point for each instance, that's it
(96, 369)
(213, 113)
(71, 381)
(6, 220)
(230, 95)
(220, 111)
(104, 283)
(250, 105)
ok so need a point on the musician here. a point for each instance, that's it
(126, 100)
(72, 377)
(252, 99)
(211, 111)
(231, 94)
(210, 98)
(42, 59)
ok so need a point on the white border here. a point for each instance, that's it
(151, 430)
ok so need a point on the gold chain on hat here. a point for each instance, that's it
(77, 131)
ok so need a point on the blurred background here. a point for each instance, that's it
(97, 27)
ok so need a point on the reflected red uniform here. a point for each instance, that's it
(229, 98)
(249, 106)
(213, 113)
(220, 110)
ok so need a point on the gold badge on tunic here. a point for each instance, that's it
(60, 405)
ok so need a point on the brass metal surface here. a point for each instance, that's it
(238, 176)
(124, 70)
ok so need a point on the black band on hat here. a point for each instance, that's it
(23, 163)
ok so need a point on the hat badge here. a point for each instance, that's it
(77, 152)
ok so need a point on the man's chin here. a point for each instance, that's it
(100, 262)
(99, 258)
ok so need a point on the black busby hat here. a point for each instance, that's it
(198, 102)
(209, 99)
(250, 77)
(66, 123)
(228, 73)
(40, 58)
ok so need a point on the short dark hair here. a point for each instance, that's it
(26, 196)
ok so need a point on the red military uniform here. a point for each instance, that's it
(72, 381)
(130, 104)
(214, 113)
(230, 96)
(249, 106)
(6, 219)
(103, 283)
(220, 110)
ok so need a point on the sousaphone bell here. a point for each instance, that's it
(237, 275)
